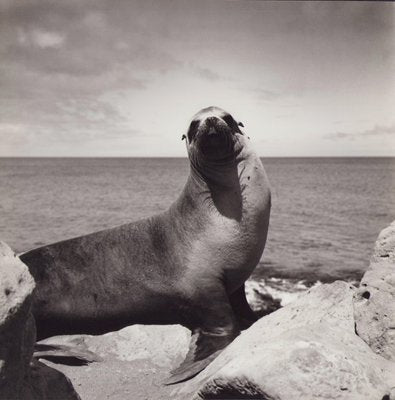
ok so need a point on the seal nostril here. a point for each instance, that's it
(366, 295)
(211, 131)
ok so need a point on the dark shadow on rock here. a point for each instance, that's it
(72, 361)
(48, 383)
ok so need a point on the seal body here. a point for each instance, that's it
(185, 266)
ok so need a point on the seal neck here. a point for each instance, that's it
(221, 173)
(217, 187)
(216, 183)
(209, 174)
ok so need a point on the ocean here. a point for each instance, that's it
(326, 212)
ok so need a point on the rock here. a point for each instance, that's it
(47, 384)
(135, 361)
(375, 299)
(17, 329)
(20, 378)
(306, 350)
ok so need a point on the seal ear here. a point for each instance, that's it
(240, 124)
(183, 137)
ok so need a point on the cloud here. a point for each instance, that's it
(45, 39)
(79, 39)
(265, 94)
(206, 73)
(377, 130)
(53, 117)
(59, 61)
(12, 133)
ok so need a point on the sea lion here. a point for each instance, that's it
(185, 266)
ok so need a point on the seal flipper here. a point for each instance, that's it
(204, 347)
(244, 314)
(65, 354)
(215, 328)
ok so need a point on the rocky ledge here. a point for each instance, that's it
(335, 342)
(22, 378)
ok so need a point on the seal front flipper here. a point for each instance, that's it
(242, 310)
(204, 347)
(214, 327)
(65, 354)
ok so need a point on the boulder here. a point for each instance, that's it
(17, 329)
(306, 350)
(20, 377)
(48, 383)
(135, 361)
(375, 298)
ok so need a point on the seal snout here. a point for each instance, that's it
(212, 134)
(211, 131)
(212, 126)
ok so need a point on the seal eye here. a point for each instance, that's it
(229, 120)
(192, 130)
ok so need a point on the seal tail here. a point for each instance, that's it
(204, 347)
(64, 354)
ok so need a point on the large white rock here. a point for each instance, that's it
(375, 299)
(306, 350)
(19, 378)
(135, 362)
(17, 329)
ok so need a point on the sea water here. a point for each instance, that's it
(326, 212)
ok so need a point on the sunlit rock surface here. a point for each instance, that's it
(135, 362)
(306, 350)
(20, 378)
(17, 329)
(375, 299)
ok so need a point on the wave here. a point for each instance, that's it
(266, 295)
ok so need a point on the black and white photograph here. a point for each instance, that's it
(197, 200)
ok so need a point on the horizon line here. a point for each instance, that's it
(186, 157)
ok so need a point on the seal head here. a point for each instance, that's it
(212, 135)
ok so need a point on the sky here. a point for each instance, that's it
(123, 78)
